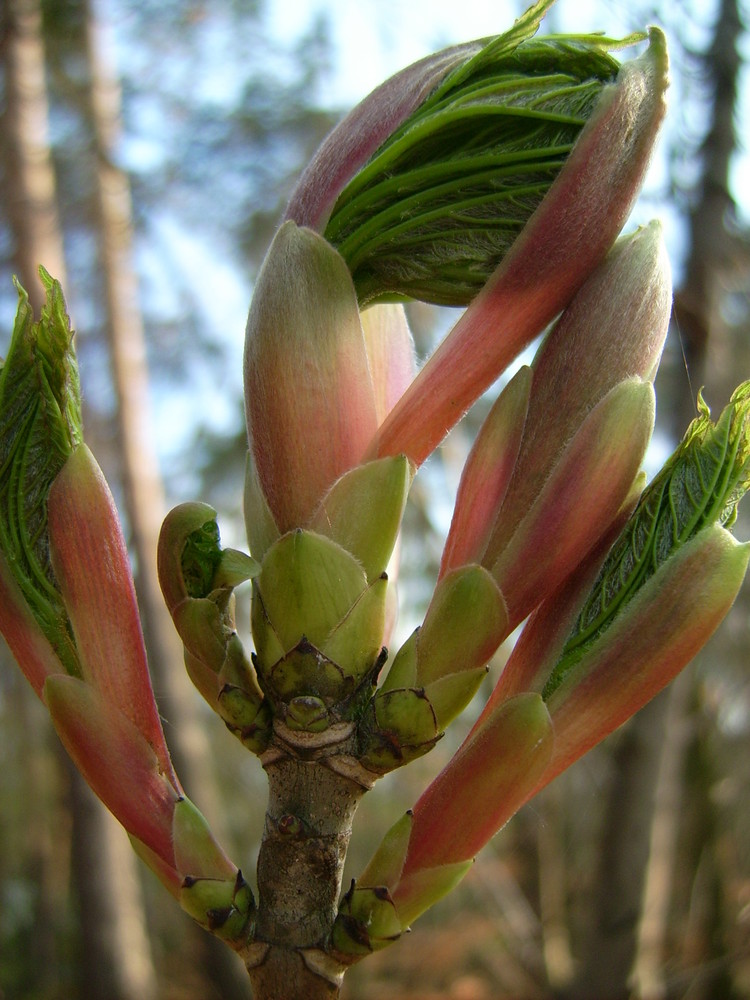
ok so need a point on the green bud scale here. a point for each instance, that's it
(367, 921)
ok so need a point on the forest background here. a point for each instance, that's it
(146, 152)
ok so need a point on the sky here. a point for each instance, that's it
(374, 38)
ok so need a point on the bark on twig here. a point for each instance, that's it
(315, 785)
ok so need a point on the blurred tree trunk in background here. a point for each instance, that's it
(644, 814)
(114, 953)
(116, 960)
(144, 494)
(31, 206)
(698, 314)
(31, 198)
(622, 855)
(553, 911)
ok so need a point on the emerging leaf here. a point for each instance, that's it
(438, 205)
(558, 248)
(652, 638)
(40, 425)
(701, 484)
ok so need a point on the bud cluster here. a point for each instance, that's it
(495, 175)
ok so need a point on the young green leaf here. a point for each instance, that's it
(439, 204)
(40, 426)
(701, 484)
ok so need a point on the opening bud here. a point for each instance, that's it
(437, 207)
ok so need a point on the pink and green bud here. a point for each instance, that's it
(429, 851)
(699, 486)
(310, 402)
(564, 240)
(197, 578)
(629, 620)
(314, 394)
(72, 608)
(68, 605)
(460, 150)
(570, 435)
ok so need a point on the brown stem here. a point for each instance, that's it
(315, 785)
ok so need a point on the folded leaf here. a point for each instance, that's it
(558, 248)
(40, 425)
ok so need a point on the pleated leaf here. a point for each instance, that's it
(440, 203)
(40, 425)
(701, 484)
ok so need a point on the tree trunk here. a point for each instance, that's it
(642, 860)
(118, 963)
(697, 310)
(623, 854)
(144, 494)
(30, 195)
(115, 955)
(31, 180)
